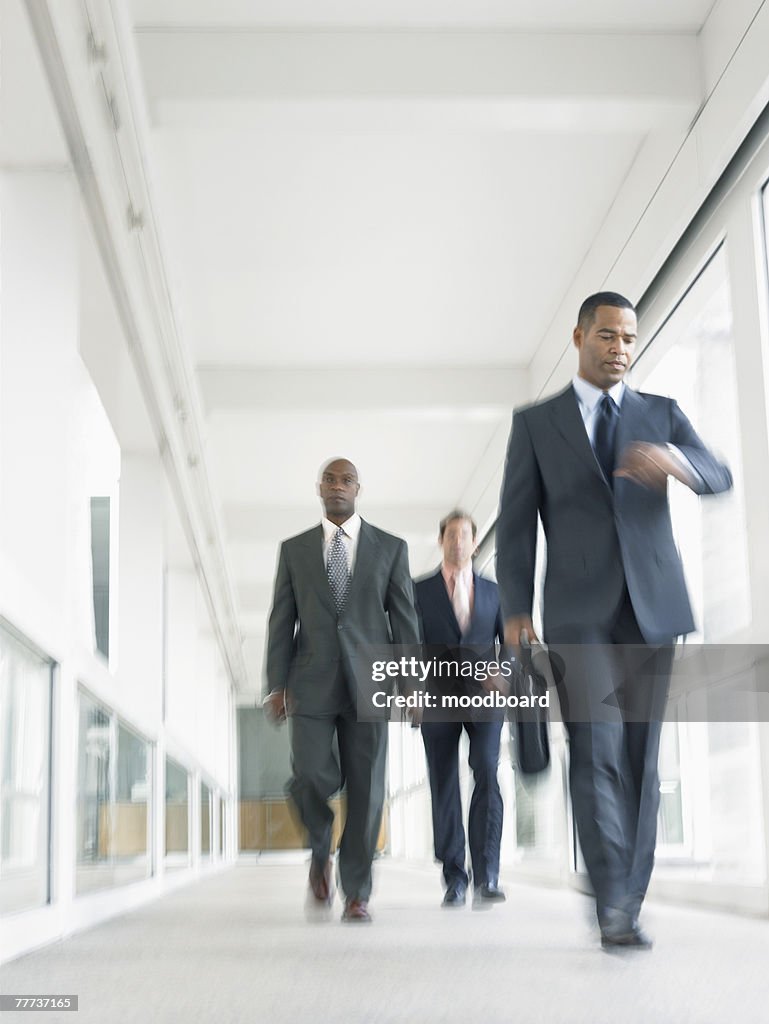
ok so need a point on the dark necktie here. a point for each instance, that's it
(605, 433)
(337, 569)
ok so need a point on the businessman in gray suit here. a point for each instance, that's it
(593, 464)
(339, 586)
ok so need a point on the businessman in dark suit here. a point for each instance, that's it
(458, 607)
(340, 585)
(593, 463)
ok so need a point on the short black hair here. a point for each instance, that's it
(457, 513)
(592, 302)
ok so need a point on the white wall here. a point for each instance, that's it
(57, 450)
(38, 380)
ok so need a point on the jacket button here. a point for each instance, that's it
(339, 627)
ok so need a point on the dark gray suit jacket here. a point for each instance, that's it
(598, 540)
(308, 642)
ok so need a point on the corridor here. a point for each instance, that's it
(237, 947)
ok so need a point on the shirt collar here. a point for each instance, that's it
(351, 527)
(448, 572)
(589, 395)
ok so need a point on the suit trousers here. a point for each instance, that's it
(320, 769)
(441, 741)
(613, 691)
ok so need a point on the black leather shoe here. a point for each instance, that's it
(636, 939)
(490, 892)
(455, 895)
(356, 912)
(321, 881)
(620, 931)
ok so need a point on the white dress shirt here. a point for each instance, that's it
(350, 534)
(462, 603)
(589, 398)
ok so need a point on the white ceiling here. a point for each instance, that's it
(369, 231)
(30, 135)
(378, 248)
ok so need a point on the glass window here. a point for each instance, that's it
(538, 803)
(94, 821)
(177, 815)
(222, 807)
(205, 820)
(25, 760)
(730, 838)
(100, 571)
(114, 785)
(711, 822)
(132, 824)
(670, 830)
(692, 359)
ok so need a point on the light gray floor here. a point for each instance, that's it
(238, 947)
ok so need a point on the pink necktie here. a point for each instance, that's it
(460, 601)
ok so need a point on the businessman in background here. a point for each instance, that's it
(456, 606)
(593, 463)
(340, 585)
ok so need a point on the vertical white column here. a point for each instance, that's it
(181, 654)
(140, 584)
(40, 518)
(38, 332)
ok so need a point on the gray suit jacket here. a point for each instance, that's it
(598, 540)
(308, 642)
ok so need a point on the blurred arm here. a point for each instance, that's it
(685, 458)
(280, 640)
(399, 600)
(516, 532)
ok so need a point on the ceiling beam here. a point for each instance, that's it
(396, 388)
(536, 67)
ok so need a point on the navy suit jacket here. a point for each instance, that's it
(599, 539)
(440, 629)
(439, 623)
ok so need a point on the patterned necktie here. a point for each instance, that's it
(337, 569)
(460, 601)
(605, 433)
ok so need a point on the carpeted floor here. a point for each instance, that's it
(239, 947)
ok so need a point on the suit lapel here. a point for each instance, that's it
(443, 602)
(365, 558)
(568, 421)
(317, 568)
(631, 425)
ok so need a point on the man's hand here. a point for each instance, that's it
(516, 625)
(275, 706)
(414, 716)
(650, 465)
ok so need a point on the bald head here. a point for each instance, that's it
(338, 488)
(336, 464)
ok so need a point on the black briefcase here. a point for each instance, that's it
(529, 728)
